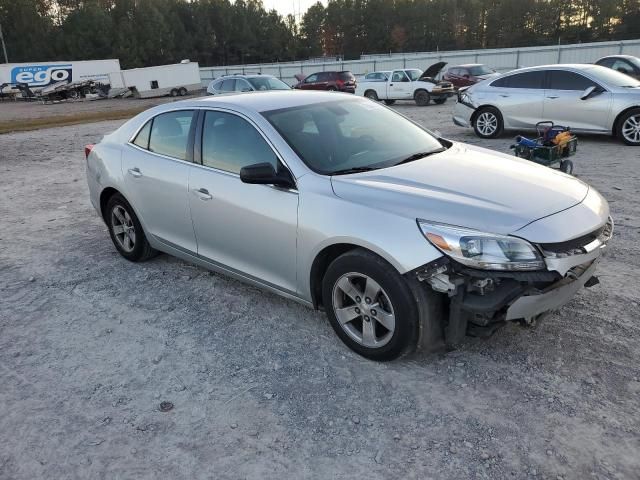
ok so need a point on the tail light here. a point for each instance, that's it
(87, 150)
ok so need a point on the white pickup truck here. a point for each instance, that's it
(408, 84)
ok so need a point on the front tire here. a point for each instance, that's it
(439, 101)
(629, 127)
(389, 102)
(182, 91)
(174, 92)
(370, 306)
(126, 231)
(422, 98)
(488, 123)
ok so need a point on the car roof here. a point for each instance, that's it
(468, 65)
(617, 56)
(583, 67)
(269, 100)
(243, 75)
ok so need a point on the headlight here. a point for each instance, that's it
(486, 251)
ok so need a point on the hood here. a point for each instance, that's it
(466, 186)
(300, 76)
(433, 70)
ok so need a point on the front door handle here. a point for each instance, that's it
(504, 95)
(135, 172)
(203, 193)
(553, 97)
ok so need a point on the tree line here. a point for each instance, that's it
(225, 32)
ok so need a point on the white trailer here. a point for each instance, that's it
(176, 79)
(41, 74)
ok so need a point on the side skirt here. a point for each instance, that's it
(209, 264)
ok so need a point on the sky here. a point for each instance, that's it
(285, 7)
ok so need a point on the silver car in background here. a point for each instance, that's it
(587, 98)
(405, 239)
(245, 83)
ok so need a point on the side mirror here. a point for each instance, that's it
(264, 174)
(466, 75)
(588, 92)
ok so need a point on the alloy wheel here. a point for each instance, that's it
(363, 310)
(631, 129)
(123, 228)
(487, 123)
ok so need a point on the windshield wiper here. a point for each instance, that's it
(419, 155)
(346, 171)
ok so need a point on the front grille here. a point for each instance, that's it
(577, 246)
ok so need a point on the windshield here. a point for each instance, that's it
(268, 83)
(612, 78)
(480, 70)
(342, 135)
(414, 74)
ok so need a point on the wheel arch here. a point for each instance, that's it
(420, 89)
(475, 113)
(105, 195)
(616, 122)
(323, 259)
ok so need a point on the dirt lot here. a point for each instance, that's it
(21, 115)
(90, 345)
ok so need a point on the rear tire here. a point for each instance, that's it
(488, 123)
(422, 98)
(628, 129)
(182, 91)
(174, 92)
(126, 231)
(389, 102)
(331, 89)
(370, 306)
(371, 95)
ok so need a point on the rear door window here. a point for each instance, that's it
(170, 134)
(622, 66)
(562, 80)
(532, 80)
(228, 85)
(323, 77)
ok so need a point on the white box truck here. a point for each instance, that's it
(38, 75)
(176, 79)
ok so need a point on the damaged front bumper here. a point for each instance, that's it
(480, 301)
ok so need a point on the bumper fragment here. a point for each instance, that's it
(552, 298)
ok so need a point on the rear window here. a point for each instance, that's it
(346, 76)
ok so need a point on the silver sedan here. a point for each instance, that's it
(587, 98)
(343, 204)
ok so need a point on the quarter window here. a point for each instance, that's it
(142, 139)
(170, 134)
(230, 143)
(532, 80)
(562, 80)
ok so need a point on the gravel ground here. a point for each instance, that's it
(21, 110)
(90, 345)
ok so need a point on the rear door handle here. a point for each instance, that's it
(135, 172)
(553, 96)
(504, 95)
(203, 193)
